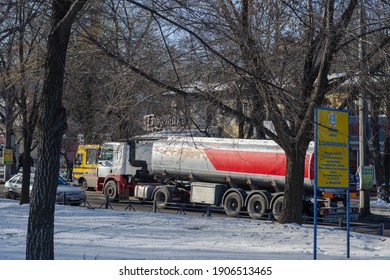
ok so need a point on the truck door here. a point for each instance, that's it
(105, 160)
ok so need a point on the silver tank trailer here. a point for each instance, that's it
(260, 163)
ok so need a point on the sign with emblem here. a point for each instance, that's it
(331, 137)
(332, 148)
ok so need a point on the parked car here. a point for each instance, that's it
(73, 195)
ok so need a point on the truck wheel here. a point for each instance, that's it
(277, 207)
(84, 184)
(233, 204)
(161, 197)
(257, 206)
(111, 190)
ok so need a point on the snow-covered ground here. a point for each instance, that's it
(380, 207)
(100, 234)
(82, 233)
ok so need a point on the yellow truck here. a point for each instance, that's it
(85, 164)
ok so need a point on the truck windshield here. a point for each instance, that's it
(91, 156)
(106, 152)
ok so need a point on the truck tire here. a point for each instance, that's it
(257, 206)
(84, 184)
(233, 204)
(277, 207)
(161, 197)
(111, 190)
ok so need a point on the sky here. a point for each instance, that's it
(101, 234)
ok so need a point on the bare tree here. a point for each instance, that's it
(29, 18)
(25, 22)
(7, 71)
(289, 49)
(105, 91)
(52, 125)
(282, 52)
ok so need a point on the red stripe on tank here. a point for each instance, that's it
(268, 163)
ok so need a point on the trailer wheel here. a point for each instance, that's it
(257, 206)
(233, 204)
(111, 189)
(161, 197)
(277, 207)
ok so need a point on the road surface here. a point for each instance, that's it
(374, 223)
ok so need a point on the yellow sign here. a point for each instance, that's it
(332, 148)
(8, 156)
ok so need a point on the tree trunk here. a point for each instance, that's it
(293, 190)
(51, 128)
(27, 160)
(9, 132)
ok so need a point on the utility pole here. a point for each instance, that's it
(363, 145)
(363, 155)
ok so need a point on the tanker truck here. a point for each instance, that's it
(236, 174)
